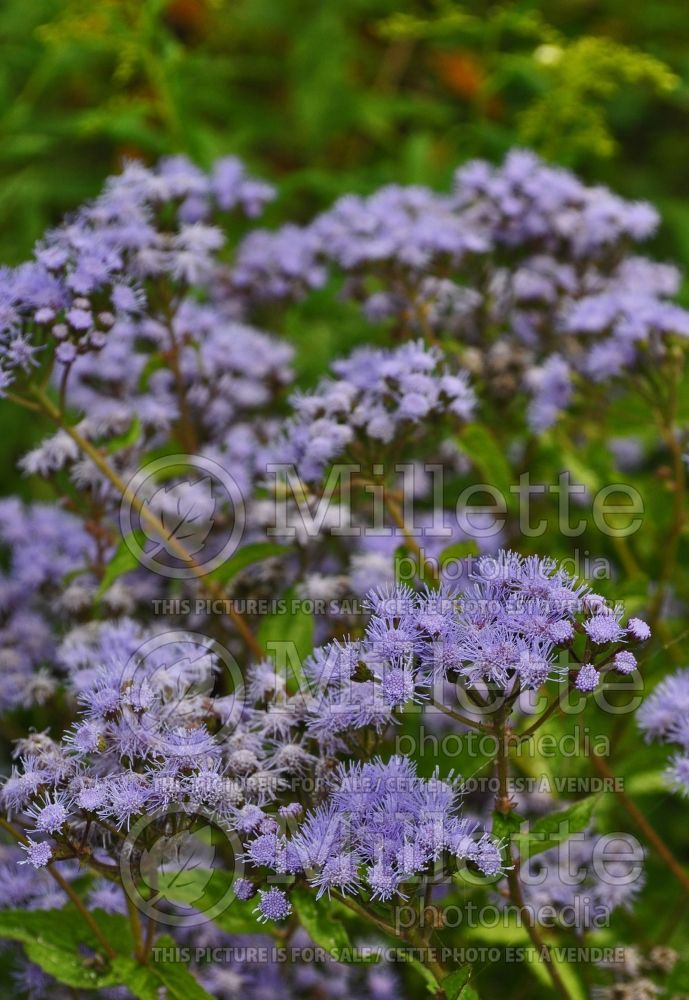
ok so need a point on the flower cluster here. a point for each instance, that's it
(150, 731)
(102, 265)
(521, 620)
(136, 331)
(664, 716)
(524, 264)
(375, 396)
(44, 545)
(380, 829)
(570, 883)
(638, 974)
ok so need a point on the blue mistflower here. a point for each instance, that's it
(602, 629)
(273, 905)
(243, 888)
(624, 662)
(38, 854)
(588, 678)
(51, 814)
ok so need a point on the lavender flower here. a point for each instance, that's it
(384, 827)
(376, 395)
(664, 716)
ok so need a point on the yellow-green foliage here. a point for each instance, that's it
(582, 76)
(569, 83)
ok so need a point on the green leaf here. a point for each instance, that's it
(580, 471)
(423, 571)
(454, 984)
(432, 983)
(127, 439)
(647, 782)
(505, 825)
(457, 551)
(205, 889)
(556, 828)
(478, 444)
(322, 923)
(154, 364)
(293, 628)
(247, 556)
(145, 981)
(53, 939)
(402, 555)
(123, 561)
(178, 980)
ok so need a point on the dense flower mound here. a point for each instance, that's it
(148, 226)
(149, 733)
(136, 332)
(375, 396)
(381, 828)
(520, 623)
(530, 269)
(664, 716)
(520, 619)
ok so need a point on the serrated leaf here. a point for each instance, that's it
(146, 981)
(556, 828)
(178, 980)
(247, 556)
(323, 926)
(54, 940)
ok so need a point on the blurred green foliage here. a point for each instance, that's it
(335, 95)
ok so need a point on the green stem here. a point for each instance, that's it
(653, 838)
(149, 518)
(503, 805)
(69, 891)
(428, 569)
